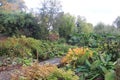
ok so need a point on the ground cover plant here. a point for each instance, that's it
(44, 72)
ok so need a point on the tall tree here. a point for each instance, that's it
(103, 28)
(117, 22)
(46, 15)
(65, 24)
(83, 26)
(48, 11)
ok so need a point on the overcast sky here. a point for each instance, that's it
(94, 10)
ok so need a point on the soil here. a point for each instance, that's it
(7, 71)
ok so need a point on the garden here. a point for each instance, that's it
(92, 59)
(82, 51)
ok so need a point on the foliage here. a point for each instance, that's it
(19, 24)
(77, 55)
(7, 61)
(84, 39)
(45, 72)
(117, 69)
(23, 47)
(53, 49)
(83, 26)
(48, 10)
(102, 28)
(110, 45)
(97, 66)
(46, 16)
(61, 40)
(53, 37)
(65, 24)
(29, 47)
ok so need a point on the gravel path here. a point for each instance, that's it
(54, 61)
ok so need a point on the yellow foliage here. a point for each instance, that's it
(35, 71)
(76, 53)
(43, 72)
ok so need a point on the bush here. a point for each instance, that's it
(77, 55)
(53, 37)
(45, 72)
(97, 66)
(84, 39)
(23, 47)
(110, 45)
(61, 40)
(19, 23)
(30, 47)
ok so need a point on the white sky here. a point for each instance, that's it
(94, 10)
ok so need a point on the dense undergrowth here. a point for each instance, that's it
(44, 72)
(91, 57)
(32, 48)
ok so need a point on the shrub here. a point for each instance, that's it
(84, 39)
(44, 72)
(76, 55)
(19, 23)
(61, 40)
(90, 65)
(110, 45)
(53, 37)
(23, 47)
(30, 47)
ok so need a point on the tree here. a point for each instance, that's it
(83, 26)
(117, 22)
(103, 28)
(12, 5)
(65, 24)
(48, 12)
(19, 23)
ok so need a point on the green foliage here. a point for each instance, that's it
(29, 47)
(102, 28)
(63, 75)
(110, 45)
(53, 49)
(23, 47)
(99, 65)
(61, 40)
(83, 26)
(19, 23)
(65, 25)
(117, 69)
(84, 39)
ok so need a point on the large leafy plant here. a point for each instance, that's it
(110, 45)
(84, 39)
(90, 65)
(77, 55)
(99, 66)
